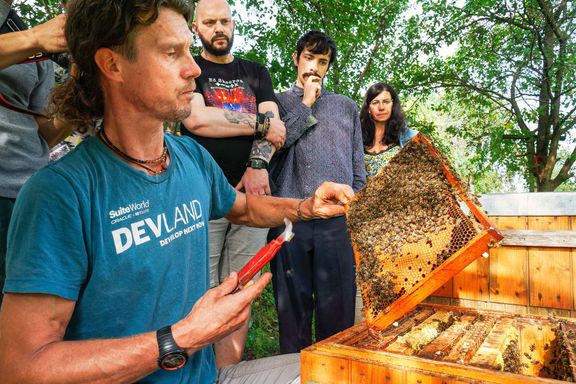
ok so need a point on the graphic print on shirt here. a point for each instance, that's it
(233, 95)
(139, 226)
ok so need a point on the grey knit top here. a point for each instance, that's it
(323, 143)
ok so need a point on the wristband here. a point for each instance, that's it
(262, 126)
(257, 164)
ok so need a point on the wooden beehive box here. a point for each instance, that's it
(447, 345)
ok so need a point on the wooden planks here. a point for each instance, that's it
(472, 282)
(509, 267)
(550, 268)
(533, 238)
(531, 279)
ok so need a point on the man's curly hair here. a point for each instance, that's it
(95, 24)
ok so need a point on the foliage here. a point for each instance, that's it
(262, 340)
(37, 12)
(516, 59)
(505, 70)
(361, 29)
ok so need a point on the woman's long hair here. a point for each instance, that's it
(394, 125)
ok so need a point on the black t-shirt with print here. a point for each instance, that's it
(238, 86)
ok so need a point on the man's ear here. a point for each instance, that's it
(109, 63)
(195, 28)
(295, 58)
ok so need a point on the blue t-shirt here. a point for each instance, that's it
(130, 248)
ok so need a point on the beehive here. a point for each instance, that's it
(466, 346)
(413, 227)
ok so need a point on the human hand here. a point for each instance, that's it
(312, 88)
(277, 133)
(49, 36)
(255, 182)
(218, 313)
(328, 201)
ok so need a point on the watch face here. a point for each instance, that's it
(173, 361)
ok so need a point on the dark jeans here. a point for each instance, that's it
(314, 272)
(6, 206)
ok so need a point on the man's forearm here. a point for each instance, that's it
(218, 123)
(263, 150)
(90, 361)
(16, 47)
(267, 211)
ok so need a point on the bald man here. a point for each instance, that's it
(233, 101)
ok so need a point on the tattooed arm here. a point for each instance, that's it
(255, 181)
(215, 122)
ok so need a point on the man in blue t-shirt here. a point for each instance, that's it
(107, 266)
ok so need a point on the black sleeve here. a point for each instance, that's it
(265, 90)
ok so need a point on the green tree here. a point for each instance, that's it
(362, 30)
(38, 11)
(514, 57)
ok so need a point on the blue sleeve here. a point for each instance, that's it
(46, 248)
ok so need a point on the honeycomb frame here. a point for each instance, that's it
(402, 272)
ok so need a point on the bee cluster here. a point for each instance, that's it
(405, 223)
(563, 365)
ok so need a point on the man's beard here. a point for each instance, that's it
(217, 51)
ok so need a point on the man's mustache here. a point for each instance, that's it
(220, 36)
(307, 75)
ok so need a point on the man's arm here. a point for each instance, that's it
(47, 37)
(256, 181)
(218, 123)
(299, 117)
(265, 211)
(32, 328)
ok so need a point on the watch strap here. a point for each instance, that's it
(167, 345)
(257, 164)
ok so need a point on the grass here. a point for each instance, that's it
(262, 340)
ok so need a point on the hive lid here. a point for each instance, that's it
(413, 227)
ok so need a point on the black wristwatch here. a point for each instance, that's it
(257, 164)
(171, 356)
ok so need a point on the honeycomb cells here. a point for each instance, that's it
(405, 223)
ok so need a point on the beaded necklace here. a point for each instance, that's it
(141, 163)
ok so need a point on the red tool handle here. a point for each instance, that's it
(259, 260)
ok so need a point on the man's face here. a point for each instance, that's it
(311, 64)
(160, 80)
(215, 27)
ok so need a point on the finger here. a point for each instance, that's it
(344, 194)
(228, 285)
(239, 186)
(255, 287)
